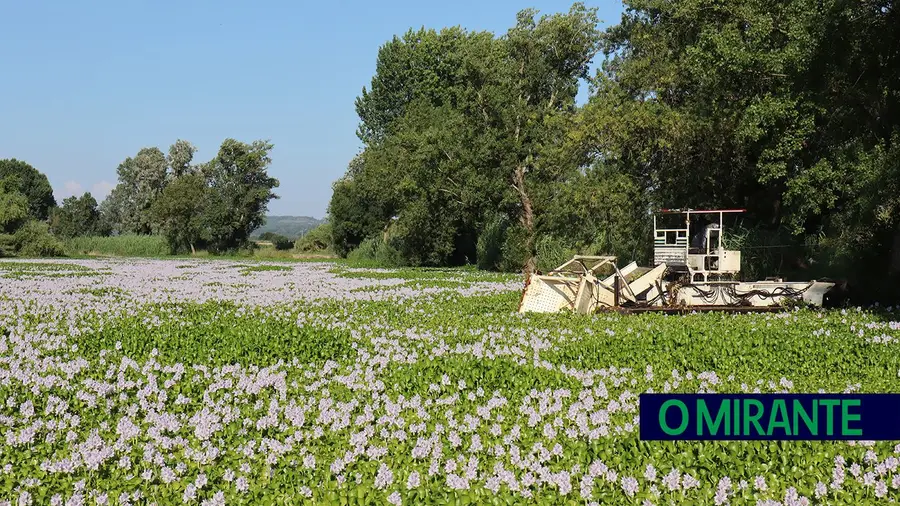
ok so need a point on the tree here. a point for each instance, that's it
(542, 63)
(33, 239)
(13, 209)
(31, 183)
(454, 124)
(111, 211)
(179, 212)
(141, 181)
(789, 109)
(78, 216)
(421, 65)
(362, 202)
(180, 156)
(239, 192)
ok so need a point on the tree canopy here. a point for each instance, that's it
(216, 204)
(78, 216)
(24, 179)
(475, 150)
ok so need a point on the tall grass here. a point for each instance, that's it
(121, 245)
(374, 252)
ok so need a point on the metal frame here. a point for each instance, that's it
(574, 286)
(678, 254)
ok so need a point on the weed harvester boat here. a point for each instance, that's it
(689, 273)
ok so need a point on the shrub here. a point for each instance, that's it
(513, 252)
(33, 239)
(7, 245)
(489, 249)
(279, 241)
(552, 252)
(376, 252)
(317, 239)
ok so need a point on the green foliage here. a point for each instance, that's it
(78, 216)
(768, 106)
(128, 245)
(20, 234)
(13, 210)
(460, 126)
(375, 252)
(264, 268)
(24, 179)
(316, 240)
(489, 249)
(514, 251)
(332, 373)
(179, 212)
(765, 106)
(239, 191)
(237, 338)
(7, 245)
(361, 203)
(33, 239)
(141, 180)
(552, 252)
(215, 205)
(280, 242)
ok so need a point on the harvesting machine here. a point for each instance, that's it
(692, 271)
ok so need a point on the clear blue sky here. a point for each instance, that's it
(87, 84)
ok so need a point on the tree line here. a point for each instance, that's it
(475, 150)
(214, 205)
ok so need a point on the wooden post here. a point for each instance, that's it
(616, 284)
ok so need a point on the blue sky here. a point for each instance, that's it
(87, 84)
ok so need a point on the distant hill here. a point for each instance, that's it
(291, 227)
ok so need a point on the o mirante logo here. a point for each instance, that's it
(769, 416)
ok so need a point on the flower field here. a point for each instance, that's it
(214, 382)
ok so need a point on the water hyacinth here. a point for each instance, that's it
(218, 382)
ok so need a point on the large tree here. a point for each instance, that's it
(32, 184)
(457, 126)
(788, 108)
(141, 180)
(240, 189)
(180, 212)
(78, 216)
(542, 62)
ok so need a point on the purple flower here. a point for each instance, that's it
(384, 477)
(630, 485)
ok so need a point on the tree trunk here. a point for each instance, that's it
(527, 218)
(193, 251)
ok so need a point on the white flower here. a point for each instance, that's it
(413, 481)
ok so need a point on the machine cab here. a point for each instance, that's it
(692, 241)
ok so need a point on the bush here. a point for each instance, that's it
(376, 252)
(283, 243)
(489, 249)
(553, 252)
(316, 240)
(33, 239)
(513, 252)
(120, 245)
(279, 241)
(7, 245)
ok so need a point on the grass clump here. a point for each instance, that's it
(120, 245)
